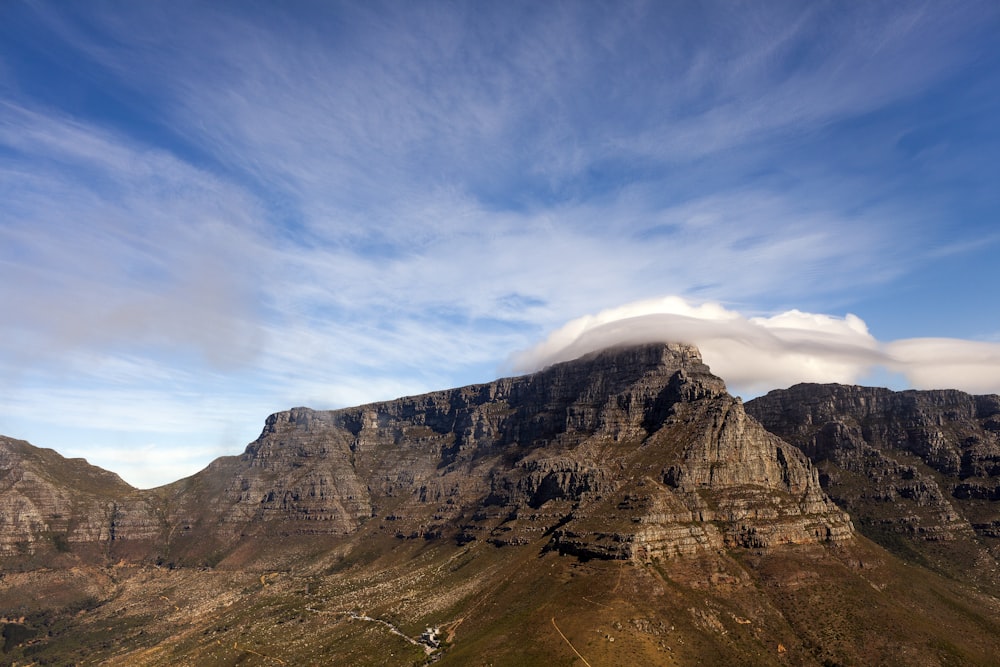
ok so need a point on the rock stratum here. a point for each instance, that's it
(621, 508)
(633, 454)
(919, 471)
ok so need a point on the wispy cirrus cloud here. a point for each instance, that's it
(416, 97)
(108, 241)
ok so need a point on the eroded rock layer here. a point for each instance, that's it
(918, 466)
(50, 503)
(629, 453)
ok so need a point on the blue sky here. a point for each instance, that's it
(214, 211)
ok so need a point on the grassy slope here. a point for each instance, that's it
(520, 606)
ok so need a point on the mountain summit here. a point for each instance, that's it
(629, 453)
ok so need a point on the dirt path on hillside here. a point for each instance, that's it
(569, 642)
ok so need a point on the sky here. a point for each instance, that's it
(212, 211)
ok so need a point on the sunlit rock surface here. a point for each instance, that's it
(629, 453)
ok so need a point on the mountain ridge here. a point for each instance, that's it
(480, 462)
(919, 470)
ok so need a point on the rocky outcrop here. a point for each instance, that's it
(725, 482)
(50, 503)
(628, 453)
(922, 466)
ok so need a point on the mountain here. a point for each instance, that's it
(919, 471)
(628, 454)
(47, 500)
(622, 507)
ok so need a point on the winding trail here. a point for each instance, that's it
(428, 648)
(569, 642)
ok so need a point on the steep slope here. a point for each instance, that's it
(627, 453)
(53, 505)
(919, 471)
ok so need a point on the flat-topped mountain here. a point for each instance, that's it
(630, 453)
(618, 508)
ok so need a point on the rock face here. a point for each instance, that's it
(629, 453)
(922, 466)
(49, 503)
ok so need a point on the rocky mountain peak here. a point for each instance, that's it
(614, 454)
(46, 498)
(630, 453)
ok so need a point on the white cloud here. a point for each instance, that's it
(940, 363)
(756, 354)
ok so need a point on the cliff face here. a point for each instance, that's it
(628, 453)
(917, 466)
(50, 503)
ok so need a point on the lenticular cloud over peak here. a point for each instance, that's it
(755, 354)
